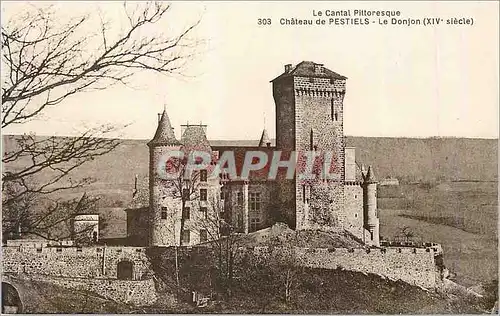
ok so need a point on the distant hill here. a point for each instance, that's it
(408, 159)
(427, 159)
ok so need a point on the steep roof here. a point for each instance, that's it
(307, 69)
(370, 176)
(194, 137)
(264, 139)
(164, 132)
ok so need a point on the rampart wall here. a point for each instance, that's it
(85, 262)
(138, 293)
(96, 268)
(416, 266)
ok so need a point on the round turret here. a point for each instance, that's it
(370, 206)
(161, 229)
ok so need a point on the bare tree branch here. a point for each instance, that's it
(47, 62)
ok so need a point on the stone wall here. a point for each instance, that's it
(86, 262)
(138, 293)
(353, 203)
(89, 268)
(415, 266)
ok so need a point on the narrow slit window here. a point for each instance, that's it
(311, 140)
(333, 114)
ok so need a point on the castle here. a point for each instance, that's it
(187, 212)
(309, 117)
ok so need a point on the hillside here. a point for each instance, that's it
(426, 159)
(320, 291)
(410, 159)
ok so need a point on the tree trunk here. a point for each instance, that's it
(182, 220)
(177, 270)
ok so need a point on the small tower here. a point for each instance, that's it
(264, 139)
(371, 221)
(161, 229)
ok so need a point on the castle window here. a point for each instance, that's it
(204, 211)
(254, 224)
(203, 175)
(203, 235)
(186, 236)
(185, 194)
(254, 202)
(186, 212)
(125, 270)
(303, 193)
(203, 194)
(311, 139)
(222, 195)
(332, 109)
(163, 212)
(240, 198)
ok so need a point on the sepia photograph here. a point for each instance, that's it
(291, 157)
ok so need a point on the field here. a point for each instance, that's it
(462, 216)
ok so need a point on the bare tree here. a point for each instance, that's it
(44, 63)
(48, 218)
(185, 186)
(224, 241)
(407, 233)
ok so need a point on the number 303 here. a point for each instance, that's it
(264, 21)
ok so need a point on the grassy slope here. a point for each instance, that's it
(332, 291)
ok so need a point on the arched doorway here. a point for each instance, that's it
(11, 301)
(125, 270)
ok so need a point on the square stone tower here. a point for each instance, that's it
(309, 117)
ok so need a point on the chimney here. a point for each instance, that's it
(318, 68)
(159, 117)
(288, 68)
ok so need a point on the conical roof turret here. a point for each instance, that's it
(370, 176)
(264, 139)
(164, 132)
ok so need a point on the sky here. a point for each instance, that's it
(403, 81)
